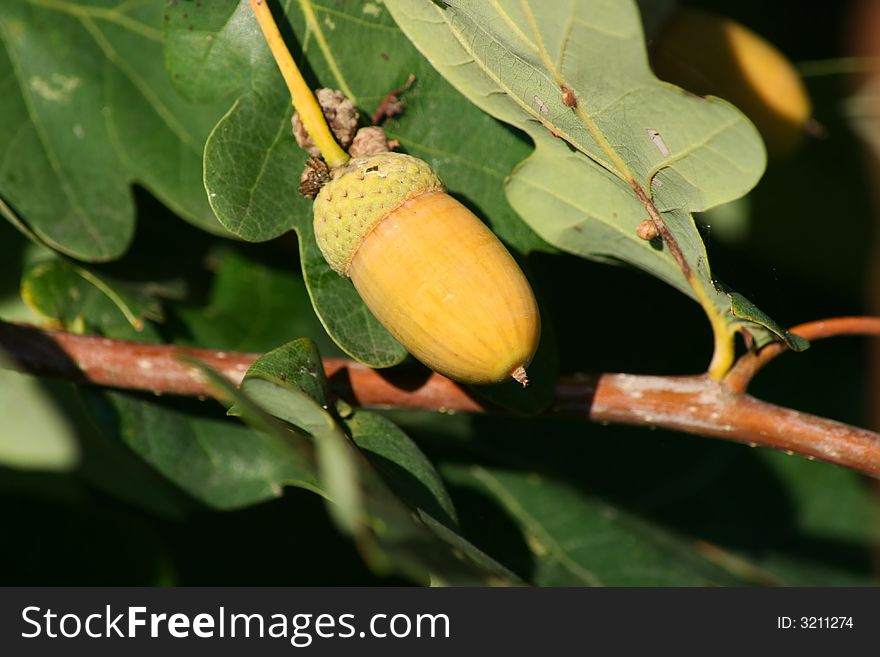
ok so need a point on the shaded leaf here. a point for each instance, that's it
(79, 299)
(217, 460)
(252, 306)
(111, 466)
(654, 15)
(497, 574)
(289, 384)
(14, 253)
(832, 507)
(402, 465)
(578, 541)
(770, 518)
(60, 532)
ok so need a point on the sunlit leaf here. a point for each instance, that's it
(87, 109)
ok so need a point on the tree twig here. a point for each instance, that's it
(696, 404)
(739, 377)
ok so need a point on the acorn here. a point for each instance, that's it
(709, 54)
(430, 271)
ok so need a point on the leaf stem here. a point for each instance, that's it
(301, 95)
(724, 353)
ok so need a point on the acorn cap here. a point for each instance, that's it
(362, 193)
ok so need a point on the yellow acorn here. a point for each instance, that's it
(709, 54)
(431, 272)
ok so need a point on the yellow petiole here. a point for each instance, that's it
(301, 95)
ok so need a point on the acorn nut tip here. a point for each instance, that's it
(429, 270)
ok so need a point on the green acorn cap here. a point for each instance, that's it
(362, 193)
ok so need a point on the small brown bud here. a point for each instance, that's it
(341, 115)
(647, 230)
(369, 141)
(315, 175)
(391, 104)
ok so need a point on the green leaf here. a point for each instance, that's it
(79, 299)
(289, 384)
(34, 434)
(207, 47)
(159, 135)
(579, 541)
(86, 109)
(402, 465)
(629, 145)
(217, 460)
(831, 506)
(252, 163)
(745, 310)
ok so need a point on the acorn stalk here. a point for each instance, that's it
(310, 113)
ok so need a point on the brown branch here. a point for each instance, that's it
(694, 405)
(739, 377)
(701, 406)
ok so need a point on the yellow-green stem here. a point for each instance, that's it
(725, 351)
(301, 95)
